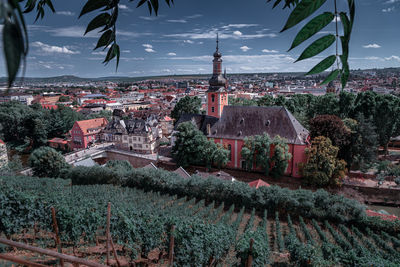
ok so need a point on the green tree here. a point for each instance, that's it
(322, 167)
(186, 105)
(257, 153)
(332, 127)
(362, 150)
(47, 162)
(192, 147)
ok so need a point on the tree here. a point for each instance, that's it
(186, 105)
(192, 147)
(47, 162)
(332, 127)
(362, 150)
(322, 167)
(257, 153)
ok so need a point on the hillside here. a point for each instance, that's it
(205, 231)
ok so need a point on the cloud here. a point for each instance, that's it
(177, 20)
(65, 13)
(123, 7)
(391, 1)
(372, 46)
(132, 34)
(171, 54)
(148, 18)
(269, 51)
(195, 16)
(148, 48)
(245, 48)
(72, 31)
(397, 58)
(188, 41)
(212, 34)
(101, 53)
(389, 9)
(238, 33)
(239, 26)
(54, 49)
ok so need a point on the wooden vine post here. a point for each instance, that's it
(108, 233)
(58, 241)
(171, 246)
(250, 257)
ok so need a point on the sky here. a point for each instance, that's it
(181, 39)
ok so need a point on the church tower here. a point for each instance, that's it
(217, 95)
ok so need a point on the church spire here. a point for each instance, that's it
(217, 42)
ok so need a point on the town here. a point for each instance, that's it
(218, 168)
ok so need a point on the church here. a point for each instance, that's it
(230, 125)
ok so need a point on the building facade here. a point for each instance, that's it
(3, 154)
(86, 132)
(230, 125)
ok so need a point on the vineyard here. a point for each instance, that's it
(206, 233)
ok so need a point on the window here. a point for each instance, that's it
(230, 152)
(212, 109)
(212, 98)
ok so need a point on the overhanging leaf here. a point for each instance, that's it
(105, 39)
(92, 5)
(345, 73)
(346, 23)
(99, 21)
(333, 75)
(323, 65)
(312, 27)
(302, 11)
(13, 45)
(317, 47)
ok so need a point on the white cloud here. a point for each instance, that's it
(72, 31)
(245, 48)
(391, 1)
(372, 46)
(389, 9)
(269, 51)
(101, 53)
(177, 20)
(212, 34)
(171, 54)
(188, 41)
(239, 26)
(195, 16)
(397, 58)
(148, 48)
(65, 13)
(148, 18)
(123, 7)
(54, 49)
(237, 33)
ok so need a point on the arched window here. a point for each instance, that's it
(212, 98)
(230, 152)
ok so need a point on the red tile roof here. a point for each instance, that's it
(258, 183)
(385, 217)
(2, 142)
(91, 124)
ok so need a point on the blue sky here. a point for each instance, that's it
(181, 40)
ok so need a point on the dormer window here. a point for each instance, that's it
(241, 120)
(267, 123)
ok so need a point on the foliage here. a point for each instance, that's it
(257, 153)
(363, 146)
(186, 105)
(322, 167)
(192, 148)
(47, 162)
(304, 9)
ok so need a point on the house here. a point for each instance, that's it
(59, 144)
(86, 132)
(230, 125)
(3, 154)
(133, 134)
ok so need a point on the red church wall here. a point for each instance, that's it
(297, 152)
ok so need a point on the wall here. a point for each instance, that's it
(136, 162)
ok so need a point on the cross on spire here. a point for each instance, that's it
(217, 41)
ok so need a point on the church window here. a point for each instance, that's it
(212, 109)
(212, 98)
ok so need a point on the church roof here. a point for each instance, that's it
(200, 121)
(238, 122)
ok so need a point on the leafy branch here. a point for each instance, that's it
(303, 9)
